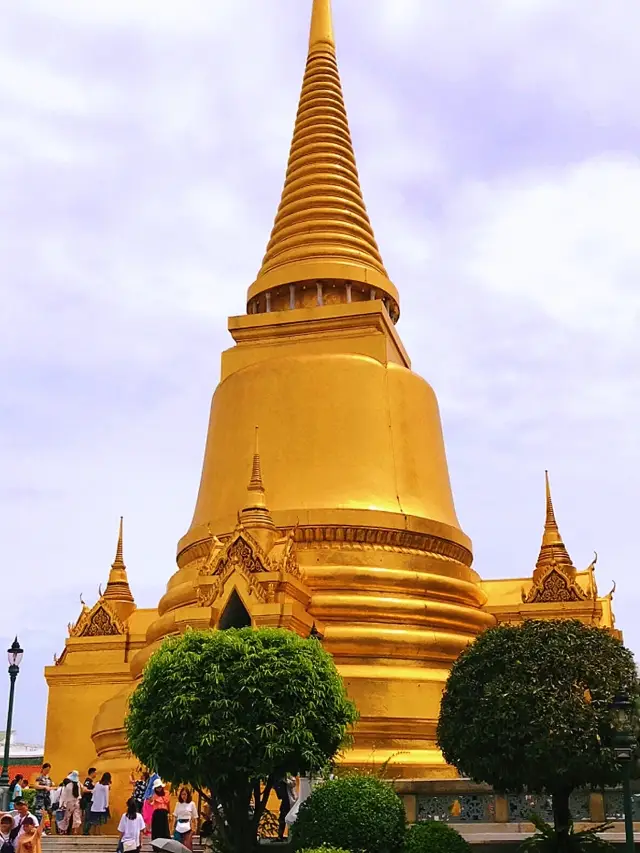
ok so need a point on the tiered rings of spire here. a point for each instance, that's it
(322, 248)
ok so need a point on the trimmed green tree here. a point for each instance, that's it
(357, 812)
(527, 707)
(231, 712)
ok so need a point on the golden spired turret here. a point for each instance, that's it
(322, 238)
(352, 532)
(117, 589)
(352, 450)
(552, 548)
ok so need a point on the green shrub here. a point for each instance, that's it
(359, 813)
(325, 850)
(432, 836)
(29, 796)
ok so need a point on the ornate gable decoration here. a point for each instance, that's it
(554, 586)
(240, 554)
(99, 621)
(243, 555)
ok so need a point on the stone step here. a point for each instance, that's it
(93, 844)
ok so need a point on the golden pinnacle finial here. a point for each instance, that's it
(321, 24)
(117, 588)
(255, 483)
(322, 237)
(552, 548)
(119, 560)
(551, 535)
(255, 513)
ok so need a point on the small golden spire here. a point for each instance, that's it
(117, 588)
(255, 512)
(553, 548)
(255, 483)
(119, 561)
(322, 231)
(551, 535)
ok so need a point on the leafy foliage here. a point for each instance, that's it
(325, 850)
(528, 706)
(546, 839)
(433, 836)
(358, 812)
(29, 796)
(231, 712)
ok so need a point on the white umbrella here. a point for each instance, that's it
(169, 845)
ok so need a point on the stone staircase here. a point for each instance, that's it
(93, 844)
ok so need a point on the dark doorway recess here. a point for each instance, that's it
(235, 614)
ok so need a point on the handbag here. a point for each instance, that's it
(129, 846)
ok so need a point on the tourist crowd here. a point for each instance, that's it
(75, 807)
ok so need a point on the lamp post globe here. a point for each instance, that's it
(14, 656)
(624, 748)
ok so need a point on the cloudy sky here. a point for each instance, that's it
(142, 153)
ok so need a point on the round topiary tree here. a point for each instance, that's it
(432, 836)
(528, 707)
(231, 712)
(362, 814)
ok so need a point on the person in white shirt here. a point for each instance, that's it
(21, 812)
(131, 827)
(99, 813)
(69, 805)
(185, 819)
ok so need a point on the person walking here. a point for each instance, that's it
(70, 806)
(147, 808)
(160, 803)
(29, 840)
(285, 791)
(87, 796)
(42, 803)
(99, 809)
(131, 828)
(139, 786)
(16, 788)
(185, 819)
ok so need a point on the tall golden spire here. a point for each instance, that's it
(553, 548)
(322, 233)
(118, 586)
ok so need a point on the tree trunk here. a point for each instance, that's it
(561, 817)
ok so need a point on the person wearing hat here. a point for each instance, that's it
(160, 803)
(70, 805)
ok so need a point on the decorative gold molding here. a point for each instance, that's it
(403, 541)
(347, 537)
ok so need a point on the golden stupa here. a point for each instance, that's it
(347, 527)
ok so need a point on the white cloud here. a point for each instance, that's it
(566, 242)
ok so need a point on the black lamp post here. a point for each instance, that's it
(624, 747)
(14, 656)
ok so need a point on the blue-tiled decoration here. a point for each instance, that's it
(452, 808)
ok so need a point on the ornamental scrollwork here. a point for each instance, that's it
(100, 621)
(555, 587)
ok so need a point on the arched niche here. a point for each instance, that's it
(235, 614)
